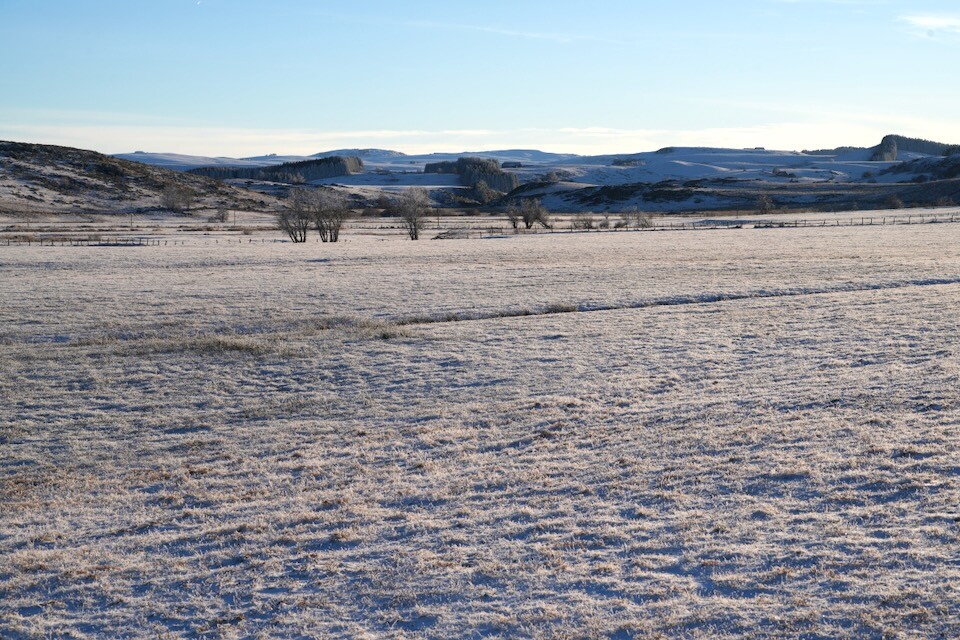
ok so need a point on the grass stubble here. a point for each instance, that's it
(230, 460)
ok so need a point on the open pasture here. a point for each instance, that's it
(705, 434)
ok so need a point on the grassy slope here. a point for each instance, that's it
(37, 178)
(218, 441)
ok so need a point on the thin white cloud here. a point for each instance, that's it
(933, 24)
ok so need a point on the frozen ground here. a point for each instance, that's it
(744, 433)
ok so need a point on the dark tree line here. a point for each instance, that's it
(288, 172)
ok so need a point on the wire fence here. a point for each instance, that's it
(477, 231)
(127, 241)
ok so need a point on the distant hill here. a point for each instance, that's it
(660, 180)
(363, 154)
(502, 155)
(891, 149)
(36, 178)
(288, 172)
(182, 162)
(926, 169)
(265, 160)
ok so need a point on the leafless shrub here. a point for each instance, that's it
(764, 204)
(635, 218)
(513, 216)
(483, 193)
(386, 204)
(220, 215)
(414, 207)
(295, 218)
(176, 198)
(533, 212)
(582, 222)
(330, 211)
(22, 237)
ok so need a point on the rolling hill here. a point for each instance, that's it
(37, 179)
(42, 178)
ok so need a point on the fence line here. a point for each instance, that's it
(122, 241)
(467, 232)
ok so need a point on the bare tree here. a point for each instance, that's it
(295, 218)
(893, 202)
(483, 194)
(764, 204)
(582, 222)
(513, 216)
(533, 212)
(176, 198)
(220, 215)
(330, 211)
(636, 218)
(386, 203)
(414, 207)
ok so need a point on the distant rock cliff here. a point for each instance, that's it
(289, 172)
(474, 170)
(891, 145)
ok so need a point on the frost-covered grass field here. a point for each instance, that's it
(743, 433)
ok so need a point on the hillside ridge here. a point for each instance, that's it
(39, 178)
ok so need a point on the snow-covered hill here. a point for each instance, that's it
(696, 177)
(374, 158)
(845, 164)
(183, 162)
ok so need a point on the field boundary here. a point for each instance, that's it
(64, 239)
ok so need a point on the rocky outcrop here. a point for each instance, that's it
(892, 145)
(474, 170)
(289, 172)
(886, 151)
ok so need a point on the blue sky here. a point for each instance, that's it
(245, 77)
